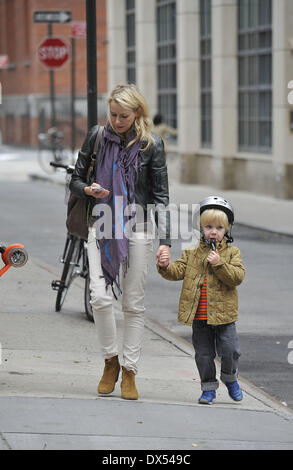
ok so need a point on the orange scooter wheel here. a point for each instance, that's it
(15, 255)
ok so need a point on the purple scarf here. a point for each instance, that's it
(116, 171)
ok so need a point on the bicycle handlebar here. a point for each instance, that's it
(69, 168)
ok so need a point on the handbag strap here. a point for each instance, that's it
(95, 155)
(98, 139)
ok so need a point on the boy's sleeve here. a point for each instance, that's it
(176, 270)
(232, 273)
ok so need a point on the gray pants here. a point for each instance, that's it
(209, 340)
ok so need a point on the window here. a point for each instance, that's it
(205, 73)
(255, 75)
(130, 41)
(166, 61)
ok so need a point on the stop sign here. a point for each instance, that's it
(53, 52)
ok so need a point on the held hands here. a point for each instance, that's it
(213, 257)
(163, 256)
(97, 193)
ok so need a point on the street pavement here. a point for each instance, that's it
(50, 362)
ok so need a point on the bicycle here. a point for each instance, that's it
(75, 260)
(50, 142)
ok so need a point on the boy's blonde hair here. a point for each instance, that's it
(129, 97)
(214, 215)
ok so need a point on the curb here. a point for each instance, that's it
(265, 229)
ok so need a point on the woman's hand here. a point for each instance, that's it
(91, 191)
(163, 256)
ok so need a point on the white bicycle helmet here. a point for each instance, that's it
(218, 202)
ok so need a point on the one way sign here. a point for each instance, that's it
(52, 16)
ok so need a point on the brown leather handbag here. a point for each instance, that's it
(77, 208)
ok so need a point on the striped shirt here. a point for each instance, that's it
(201, 313)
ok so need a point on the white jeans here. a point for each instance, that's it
(133, 293)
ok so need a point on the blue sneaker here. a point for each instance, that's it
(207, 397)
(234, 390)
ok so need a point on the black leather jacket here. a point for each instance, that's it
(151, 187)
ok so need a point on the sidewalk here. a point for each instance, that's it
(253, 210)
(51, 362)
(49, 373)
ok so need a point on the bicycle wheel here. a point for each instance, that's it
(45, 156)
(71, 260)
(64, 155)
(58, 155)
(87, 296)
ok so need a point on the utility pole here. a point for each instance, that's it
(52, 86)
(91, 42)
(73, 127)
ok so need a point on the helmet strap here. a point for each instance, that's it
(228, 235)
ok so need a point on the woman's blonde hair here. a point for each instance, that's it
(214, 215)
(129, 97)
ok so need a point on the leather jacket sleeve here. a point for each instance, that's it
(78, 180)
(159, 188)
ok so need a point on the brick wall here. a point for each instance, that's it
(26, 84)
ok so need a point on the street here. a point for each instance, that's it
(33, 213)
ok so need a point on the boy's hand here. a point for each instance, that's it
(163, 256)
(213, 257)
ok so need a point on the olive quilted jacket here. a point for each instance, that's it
(222, 279)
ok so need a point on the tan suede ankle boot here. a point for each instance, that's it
(128, 388)
(110, 376)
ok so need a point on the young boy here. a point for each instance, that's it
(209, 299)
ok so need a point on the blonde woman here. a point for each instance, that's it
(131, 173)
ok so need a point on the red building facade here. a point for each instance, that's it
(26, 106)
